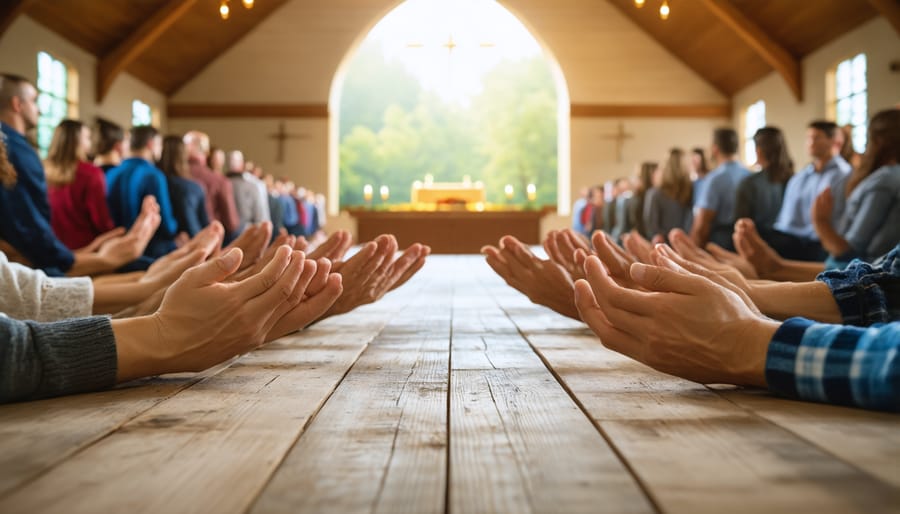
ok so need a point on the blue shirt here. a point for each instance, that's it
(718, 194)
(188, 205)
(25, 209)
(127, 185)
(577, 210)
(871, 219)
(795, 216)
(845, 364)
(699, 188)
(290, 217)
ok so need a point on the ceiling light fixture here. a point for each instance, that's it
(664, 10)
(224, 10)
(639, 3)
(248, 4)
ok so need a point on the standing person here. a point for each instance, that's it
(795, 236)
(188, 200)
(759, 196)
(76, 189)
(112, 145)
(219, 195)
(714, 211)
(668, 204)
(136, 178)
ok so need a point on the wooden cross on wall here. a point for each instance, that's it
(620, 136)
(281, 137)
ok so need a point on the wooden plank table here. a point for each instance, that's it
(454, 394)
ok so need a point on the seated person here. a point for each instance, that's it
(795, 235)
(136, 178)
(112, 145)
(870, 223)
(188, 199)
(668, 204)
(25, 210)
(759, 196)
(714, 211)
(76, 188)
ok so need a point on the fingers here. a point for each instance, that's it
(618, 263)
(261, 282)
(413, 269)
(290, 289)
(323, 269)
(719, 253)
(215, 270)
(407, 265)
(637, 246)
(519, 251)
(612, 337)
(302, 244)
(614, 299)
(660, 279)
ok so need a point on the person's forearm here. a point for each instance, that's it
(700, 232)
(112, 297)
(119, 278)
(88, 264)
(831, 240)
(784, 300)
(795, 271)
(137, 355)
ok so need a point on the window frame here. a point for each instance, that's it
(748, 146)
(46, 122)
(832, 100)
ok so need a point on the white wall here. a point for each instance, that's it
(20, 45)
(293, 56)
(876, 38)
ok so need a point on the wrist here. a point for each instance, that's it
(137, 348)
(750, 360)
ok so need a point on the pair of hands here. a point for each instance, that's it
(118, 247)
(650, 303)
(205, 319)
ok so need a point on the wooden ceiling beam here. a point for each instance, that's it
(134, 45)
(767, 48)
(890, 9)
(10, 10)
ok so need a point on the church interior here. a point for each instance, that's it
(688, 304)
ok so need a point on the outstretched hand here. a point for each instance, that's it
(684, 324)
(543, 281)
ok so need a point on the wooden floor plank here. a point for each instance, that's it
(706, 454)
(35, 436)
(212, 447)
(865, 439)
(379, 444)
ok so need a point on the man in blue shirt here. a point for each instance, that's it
(795, 236)
(136, 178)
(714, 209)
(24, 207)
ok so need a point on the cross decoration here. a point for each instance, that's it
(620, 136)
(281, 137)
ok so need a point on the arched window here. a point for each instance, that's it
(57, 86)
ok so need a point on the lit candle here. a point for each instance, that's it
(367, 192)
(509, 191)
(385, 193)
(532, 192)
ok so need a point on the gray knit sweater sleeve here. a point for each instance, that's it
(38, 360)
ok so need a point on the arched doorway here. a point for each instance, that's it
(424, 42)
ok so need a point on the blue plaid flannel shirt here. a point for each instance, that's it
(854, 364)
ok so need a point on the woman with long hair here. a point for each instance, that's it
(668, 204)
(759, 196)
(870, 224)
(188, 199)
(76, 188)
(643, 183)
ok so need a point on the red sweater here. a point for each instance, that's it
(78, 210)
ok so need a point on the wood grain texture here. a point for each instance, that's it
(210, 448)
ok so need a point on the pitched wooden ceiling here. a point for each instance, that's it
(730, 43)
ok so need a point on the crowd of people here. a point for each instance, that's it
(157, 260)
(829, 211)
(768, 279)
(150, 258)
